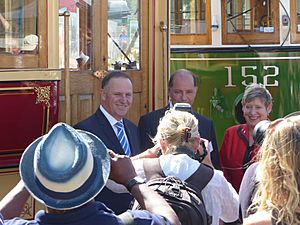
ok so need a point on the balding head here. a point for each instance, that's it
(182, 86)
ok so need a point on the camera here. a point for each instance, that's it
(183, 107)
(259, 131)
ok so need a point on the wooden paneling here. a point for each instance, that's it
(85, 87)
(251, 37)
(294, 15)
(32, 59)
(85, 96)
(196, 39)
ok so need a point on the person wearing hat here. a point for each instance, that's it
(65, 169)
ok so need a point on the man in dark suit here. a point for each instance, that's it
(116, 99)
(182, 87)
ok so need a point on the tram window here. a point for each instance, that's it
(250, 21)
(295, 21)
(189, 22)
(123, 34)
(80, 34)
(20, 34)
(18, 27)
(188, 17)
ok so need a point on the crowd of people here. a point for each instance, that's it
(92, 172)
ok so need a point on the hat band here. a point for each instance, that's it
(73, 183)
(73, 194)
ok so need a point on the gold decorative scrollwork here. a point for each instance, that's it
(100, 73)
(27, 211)
(43, 95)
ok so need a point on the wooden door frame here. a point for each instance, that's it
(100, 63)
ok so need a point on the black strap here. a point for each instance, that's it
(205, 172)
(153, 170)
(184, 150)
(248, 152)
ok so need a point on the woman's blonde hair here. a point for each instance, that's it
(177, 128)
(279, 171)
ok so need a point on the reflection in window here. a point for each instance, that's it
(80, 33)
(123, 34)
(18, 27)
(188, 17)
(250, 16)
(298, 15)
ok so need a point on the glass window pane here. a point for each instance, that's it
(188, 17)
(80, 33)
(123, 34)
(250, 16)
(18, 27)
(298, 15)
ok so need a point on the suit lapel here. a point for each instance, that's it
(128, 134)
(110, 139)
(161, 114)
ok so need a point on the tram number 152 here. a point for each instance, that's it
(269, 79)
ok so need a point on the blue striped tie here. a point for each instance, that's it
(122, 138)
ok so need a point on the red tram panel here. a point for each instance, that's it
(29, 109)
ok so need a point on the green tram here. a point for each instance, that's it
(234, 43)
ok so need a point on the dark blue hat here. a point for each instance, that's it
(65, 168)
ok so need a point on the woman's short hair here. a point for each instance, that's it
(278, 171)
(257, 91)
(174, 127)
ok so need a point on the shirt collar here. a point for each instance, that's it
(109, 117)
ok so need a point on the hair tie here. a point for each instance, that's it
(186, 134)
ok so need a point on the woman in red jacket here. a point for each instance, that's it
(237, 149)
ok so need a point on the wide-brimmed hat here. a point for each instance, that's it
(65, 168)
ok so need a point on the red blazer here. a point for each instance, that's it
(236, 154)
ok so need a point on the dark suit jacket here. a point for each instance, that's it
(100, 126)
(148, 124)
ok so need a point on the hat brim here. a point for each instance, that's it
(29, 47)
(87, 191)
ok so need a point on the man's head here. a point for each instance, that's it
(65, 168)
(117, 94)
(182, 87)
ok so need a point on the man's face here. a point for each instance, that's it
(183, 89)
(117, 97)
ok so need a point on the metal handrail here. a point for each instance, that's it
(66, 16)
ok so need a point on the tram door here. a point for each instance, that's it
(104, 35)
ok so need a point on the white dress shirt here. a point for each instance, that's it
(112, 121)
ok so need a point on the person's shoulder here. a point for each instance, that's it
(236, 127)
(219, 182)
(220, 190)
(154, 113)
(20, 221)
(84, 123)
(259, 218)
(201, 118)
